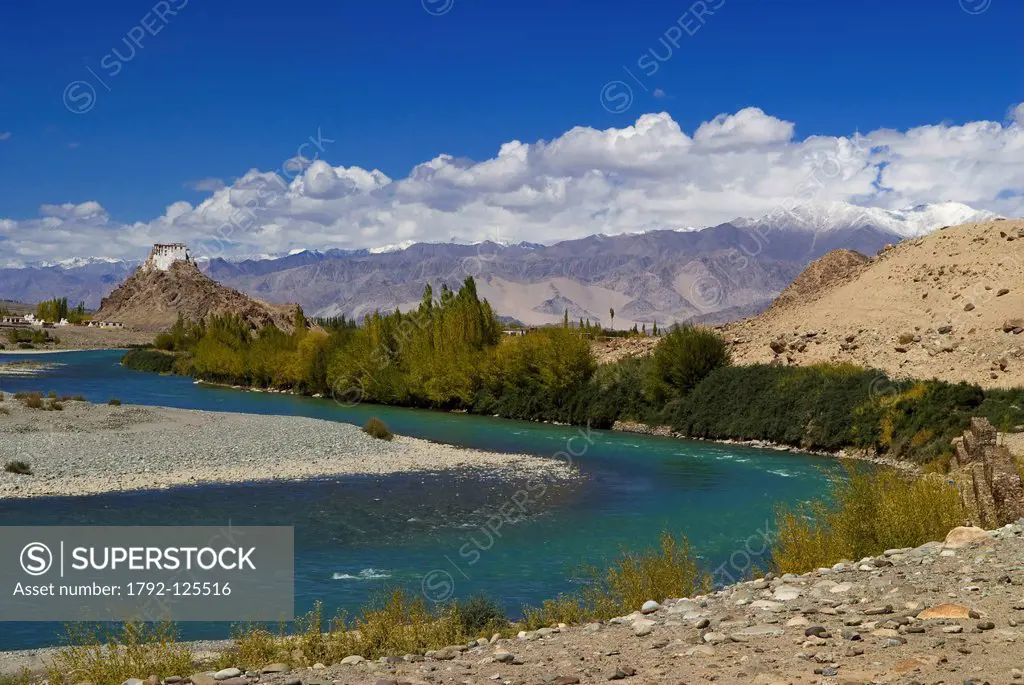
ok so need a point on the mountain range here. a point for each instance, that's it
(715, 274)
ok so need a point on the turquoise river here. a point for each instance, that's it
(356, 537)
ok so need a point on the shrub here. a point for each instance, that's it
(256, 646)
(399, 625)
(148, 360)
(836, 406)
(110, 657)
(873, 510)
(114, 402)
(32, 400)
(684, 358)
(19, 467)
(402, 625)
(378, 429)
(568, 609)
(54, 405)
(670, 570)
(480, 616)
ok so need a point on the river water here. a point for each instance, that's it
(356, 537)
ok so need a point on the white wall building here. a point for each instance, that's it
(163, 255)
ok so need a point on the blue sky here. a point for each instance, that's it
(227, 86)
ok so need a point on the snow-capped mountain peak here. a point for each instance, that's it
(397, 247)
(909, 222)
(76, 262)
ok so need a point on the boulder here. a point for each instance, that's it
(946, 611)
(961, 536)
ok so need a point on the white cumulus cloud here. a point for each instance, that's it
(646, 175)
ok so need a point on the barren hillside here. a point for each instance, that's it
(948, 305)
(151, 301)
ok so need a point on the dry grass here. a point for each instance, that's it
(22, 677)
(873, 510)
(378, 429)
(668, 571)
(36, 400)
(399, 624)
(110, 656)
(32, 400)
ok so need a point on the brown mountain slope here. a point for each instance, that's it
(949, 305)
(150, 300)
(820, 276)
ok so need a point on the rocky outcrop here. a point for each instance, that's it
(834, 268)
(151, 300)
(987, 476)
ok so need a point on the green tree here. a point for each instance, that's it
(300, 319)
(684, 358)
(611, 313)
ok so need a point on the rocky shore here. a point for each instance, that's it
(88, 449)
(944, 612)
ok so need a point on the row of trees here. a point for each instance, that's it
(596, 329)
(447, 353)
(56, 309)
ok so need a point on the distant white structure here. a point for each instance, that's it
(31, 320)
(166, 254)
(63, 322)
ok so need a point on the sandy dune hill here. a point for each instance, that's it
(948, 305)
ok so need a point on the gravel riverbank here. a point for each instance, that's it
(944, 612)
(88, 449)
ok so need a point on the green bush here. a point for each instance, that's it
(480, 616)
(685, 357)
(21, 468)
(148, 360)
(114, 402)
(832, 407)
(378, 429)
(872, 510)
